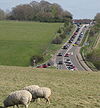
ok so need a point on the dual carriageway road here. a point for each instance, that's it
(72, 50)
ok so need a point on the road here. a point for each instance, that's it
(72, 50)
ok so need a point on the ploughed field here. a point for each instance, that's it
(69, 89)
(19, 41)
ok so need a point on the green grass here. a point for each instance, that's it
(91, 52)
(21, 40)
(95, 55)
(70, 89)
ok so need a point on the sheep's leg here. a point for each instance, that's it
(47, 100)
(17, 106)
(26, 106)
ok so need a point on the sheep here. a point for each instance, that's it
(31, 89)
(18, 97)
(42, 92)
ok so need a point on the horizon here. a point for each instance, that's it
(78, 9)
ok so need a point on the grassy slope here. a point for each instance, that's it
(69, 89)
(96, 55)
(21, 40)
(92, 51)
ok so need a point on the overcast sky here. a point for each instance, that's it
(79, 8)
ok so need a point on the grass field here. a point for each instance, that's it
(95, 55)
(69, 89)
(21, 40)
(91, 52)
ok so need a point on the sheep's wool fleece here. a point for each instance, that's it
(43, 91)
(31, 87)
(22, 96)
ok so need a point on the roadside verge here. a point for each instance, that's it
(81, 60)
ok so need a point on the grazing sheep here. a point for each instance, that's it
(31, 89)
(42, 92)
(18, 97)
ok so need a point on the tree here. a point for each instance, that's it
(40, 11)
(2, 15)
(22, 12)
(35, 8)
(56, 10)
(97, 17)
(67, 15)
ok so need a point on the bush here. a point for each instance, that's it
(62, 33)
(57, 40)
(63, 36)
(36, 59)
(94, 57)
(59, 31)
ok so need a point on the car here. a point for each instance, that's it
(80, 36)
(74, 67)
(49, 64)
(68, 61)
(70, 41)
(40, 66)
(60, 62)
(78, 39)
(65, 47)
(59, 54)
(70, 68)
(75, 44)
(44, 65)
(78, 25)
(78, 29)
(68, 64)
(73, 36)
(67, 55)
(81, 33)
(75, 33)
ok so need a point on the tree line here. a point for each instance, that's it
(42, 11)
(97, 18)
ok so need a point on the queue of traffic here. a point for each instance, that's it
(65, 55)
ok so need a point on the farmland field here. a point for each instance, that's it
(21, 40)
(70, 89)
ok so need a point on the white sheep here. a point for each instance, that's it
(42, 92)
(18, 97)
(31, 89)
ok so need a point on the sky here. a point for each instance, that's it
(79, 8)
